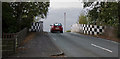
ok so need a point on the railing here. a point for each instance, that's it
(11, 41)
(8, 46)
(21, 36)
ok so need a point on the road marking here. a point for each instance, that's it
(101, 48)
(54, 39)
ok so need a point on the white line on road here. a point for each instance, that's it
(54, 39)
(102, 48)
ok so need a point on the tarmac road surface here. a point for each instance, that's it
(78, 45)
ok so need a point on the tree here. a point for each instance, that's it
(8, 21)
(103, 13)
(21, 14)
(82, 19)
(109, 13)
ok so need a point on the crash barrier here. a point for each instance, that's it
(87, 29)
(11, 41)
(36, 27)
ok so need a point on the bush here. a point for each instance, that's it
(68, 31)
(82, 19)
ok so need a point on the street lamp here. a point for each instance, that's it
(64, 21)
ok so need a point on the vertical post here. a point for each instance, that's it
(64, 21)
(41, 27)
(15, 45)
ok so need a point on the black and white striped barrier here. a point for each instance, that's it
(36, 27)
(87, 29)
(92, 29)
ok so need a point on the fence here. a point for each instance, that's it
(8, 44)
(11, 41)
(20, 36)
(87, 29)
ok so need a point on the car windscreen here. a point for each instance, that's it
(57, 24)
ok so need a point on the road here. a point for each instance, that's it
(78, 45)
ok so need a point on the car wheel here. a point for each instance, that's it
(51, 31)
(61, 31)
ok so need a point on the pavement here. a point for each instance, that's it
(78, 45)
(40, 46)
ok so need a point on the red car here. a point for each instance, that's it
(56, 27)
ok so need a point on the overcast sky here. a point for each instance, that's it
(66, 3)
(65, 0)
(73, 8)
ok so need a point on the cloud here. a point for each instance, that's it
(65, 0)
(57, 5)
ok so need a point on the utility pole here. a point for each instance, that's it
(64, 21)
